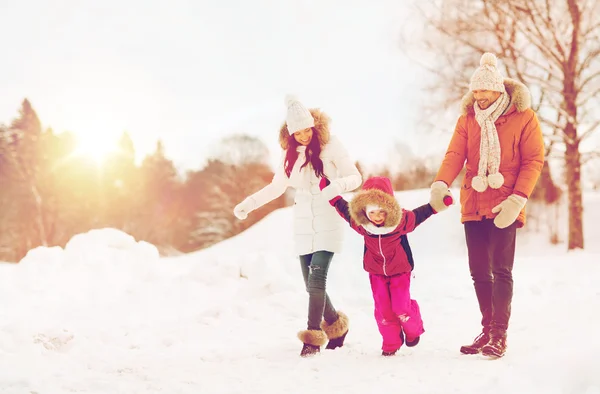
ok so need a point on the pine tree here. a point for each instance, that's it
(160, 214)
(120, 186)
(21, 156)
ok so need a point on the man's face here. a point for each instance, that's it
(485, 98)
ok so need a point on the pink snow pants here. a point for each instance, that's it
(395, 310)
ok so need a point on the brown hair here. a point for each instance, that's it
(313, 152)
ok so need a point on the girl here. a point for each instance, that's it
(375, 214)
(311, 153)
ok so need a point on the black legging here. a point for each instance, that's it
(314, 270)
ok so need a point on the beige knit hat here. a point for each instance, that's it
(487, 76)
(298, 116)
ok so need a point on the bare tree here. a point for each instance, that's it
(551, 46)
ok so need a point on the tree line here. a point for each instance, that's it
(49, 193)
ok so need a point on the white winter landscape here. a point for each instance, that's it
(107, 315)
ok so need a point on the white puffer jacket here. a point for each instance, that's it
(317, 225)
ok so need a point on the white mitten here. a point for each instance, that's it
(242, 210)
(509, 210)
(332, 190)
(439, 191)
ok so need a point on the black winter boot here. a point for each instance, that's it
(496, 347)
(336, 331)
(480, 341)
(309, 350)
(388, 354)
(313, 340)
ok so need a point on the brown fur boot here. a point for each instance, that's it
(336, 331)
(313, 340)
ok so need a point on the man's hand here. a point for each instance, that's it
(509, 210)
(440, 196)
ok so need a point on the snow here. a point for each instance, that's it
(107, 315)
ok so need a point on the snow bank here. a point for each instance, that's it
(101, 246)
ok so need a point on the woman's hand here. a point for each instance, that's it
(242, 210)
(329, 191)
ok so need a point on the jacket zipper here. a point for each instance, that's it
(382, 255)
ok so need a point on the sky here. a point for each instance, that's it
(193, 72)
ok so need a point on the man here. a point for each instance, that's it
(499, 137)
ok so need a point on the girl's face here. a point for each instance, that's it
(303, 137)
(377, 217)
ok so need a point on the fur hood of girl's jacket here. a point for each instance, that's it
(321, 129)
(387, 251)
(376, 191)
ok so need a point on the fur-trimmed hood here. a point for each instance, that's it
(520, 98)
(321, 129)
(376, 191)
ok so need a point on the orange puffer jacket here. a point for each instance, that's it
(522, 157)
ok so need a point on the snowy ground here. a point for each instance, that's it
(106, 315)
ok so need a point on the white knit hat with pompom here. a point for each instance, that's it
(487, 76)
(298, 116)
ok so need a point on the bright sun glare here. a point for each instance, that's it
(95, 147)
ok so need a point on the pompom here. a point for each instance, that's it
(290, 99)
(495, 180)
(479, 183)
(488, 59)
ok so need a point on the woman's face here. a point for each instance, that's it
(303, 137)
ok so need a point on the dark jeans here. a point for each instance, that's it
(314, 269)
(491, 257)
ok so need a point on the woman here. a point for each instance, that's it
(311, 153)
